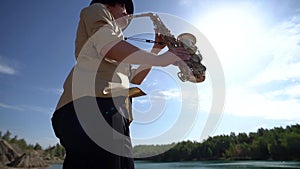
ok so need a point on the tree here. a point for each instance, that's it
(277, 151)
(292, 146)
(6, 136)
(22, 144)
(242, 151)
(259, 149)
(242, 138)
(14, 140)
(277, 144)
(59, 151)
(206, 151)
(37, 146)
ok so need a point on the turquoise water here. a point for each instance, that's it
(211, 165)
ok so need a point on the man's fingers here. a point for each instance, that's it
(156, 31)
(181, 53)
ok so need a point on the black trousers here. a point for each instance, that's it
(81, 151)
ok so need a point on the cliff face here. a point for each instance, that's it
(29, 159)
(7, 153)
(10, 157)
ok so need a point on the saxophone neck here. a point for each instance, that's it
(143, 15)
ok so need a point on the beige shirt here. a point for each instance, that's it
(94, 75)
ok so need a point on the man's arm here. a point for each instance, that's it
(140, 74)
(143, 70)
(123, 51)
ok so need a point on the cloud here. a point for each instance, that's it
(151, 84)
(141, 101)
(283, 46)
(38, 109)
(7, 106)
(169, 94)
(185, 2)
(159, 96)
(57, 91)
(251, 103)
(273, 92)
(27, 108)
(5, 69)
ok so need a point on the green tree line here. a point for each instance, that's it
(265, 144)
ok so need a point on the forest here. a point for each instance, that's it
(266, 144)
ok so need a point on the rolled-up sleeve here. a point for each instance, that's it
(97, 28)
(95, 17)
(104, 36)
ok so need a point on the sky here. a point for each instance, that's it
(257, 44)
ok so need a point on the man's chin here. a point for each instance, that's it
(122, 23)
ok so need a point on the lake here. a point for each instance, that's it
(211, 165)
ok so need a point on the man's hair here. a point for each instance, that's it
(128, 4)
(109, 2)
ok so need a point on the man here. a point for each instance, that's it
(102, 75)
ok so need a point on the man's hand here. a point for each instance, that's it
(180, 52)
(174, 56)
(157, 47)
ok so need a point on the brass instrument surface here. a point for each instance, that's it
(190, 70)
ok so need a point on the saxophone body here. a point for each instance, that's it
(190, 70)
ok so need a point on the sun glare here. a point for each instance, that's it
(230, 30)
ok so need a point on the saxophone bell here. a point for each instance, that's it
(191, 70)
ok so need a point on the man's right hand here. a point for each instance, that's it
(174, 55)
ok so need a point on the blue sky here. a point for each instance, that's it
(257, 43)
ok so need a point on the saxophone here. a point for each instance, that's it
(190, 70)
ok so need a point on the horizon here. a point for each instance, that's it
(201, 141)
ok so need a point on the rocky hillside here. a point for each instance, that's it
(7, 153)
(11, 155)
(28, 159)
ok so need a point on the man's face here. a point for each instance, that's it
(119, 11)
